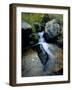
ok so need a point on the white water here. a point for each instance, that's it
(43, 43)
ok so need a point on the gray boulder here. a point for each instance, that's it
(54, 32)
(52, 28)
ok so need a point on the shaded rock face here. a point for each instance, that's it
(26, 32)
(42, 54)
(48, 39)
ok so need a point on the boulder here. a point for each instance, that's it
(26, 32)
(53, 31)
(52, 28)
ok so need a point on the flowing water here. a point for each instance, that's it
(43, 43)
(54, 61)
(31, 65)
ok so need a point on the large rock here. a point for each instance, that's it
(52, 28)
(54, 32)
(26, 33)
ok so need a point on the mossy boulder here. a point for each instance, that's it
(34, 38)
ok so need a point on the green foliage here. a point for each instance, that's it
(31, 18)
(57, 16)
(35, 37)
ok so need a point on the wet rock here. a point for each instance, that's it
(26, 32)
(42, 54)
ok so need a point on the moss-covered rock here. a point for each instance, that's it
(35, 37)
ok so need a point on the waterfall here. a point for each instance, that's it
(44, 43)
(41, 40)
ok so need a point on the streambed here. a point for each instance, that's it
(32, 64)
